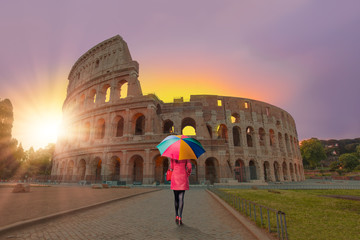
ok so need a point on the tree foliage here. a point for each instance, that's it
(6, 120)
(38, 162)
(10, 152)
(358, 151)
(312, 152)
(348, 161)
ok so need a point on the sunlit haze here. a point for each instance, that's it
(300, 55)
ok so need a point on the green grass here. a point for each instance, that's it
(310, 215)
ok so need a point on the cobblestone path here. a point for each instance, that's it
(149, 216)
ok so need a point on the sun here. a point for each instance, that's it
(38, 128)
(47, 131)
(44, 131)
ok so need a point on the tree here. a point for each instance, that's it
(349, 161)
(312, 152)
(10, 153)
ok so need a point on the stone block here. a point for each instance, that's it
(96, 186)
(21, 188)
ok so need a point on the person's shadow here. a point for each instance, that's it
(187, 232)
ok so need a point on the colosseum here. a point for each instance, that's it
(111, 129)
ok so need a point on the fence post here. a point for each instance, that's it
(255, 213)
(286, 235)
(261, 217)
(281, 225)
(250, 208)
(268, 214)
(246, 207)
(277, 223)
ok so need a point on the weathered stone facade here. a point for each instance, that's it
(110, 136)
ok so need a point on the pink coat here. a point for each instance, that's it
(180, 175)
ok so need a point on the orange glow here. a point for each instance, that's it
(172, 83)
(38, 112)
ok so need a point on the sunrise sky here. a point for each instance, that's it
(300, 55)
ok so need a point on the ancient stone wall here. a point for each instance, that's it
(112, 129)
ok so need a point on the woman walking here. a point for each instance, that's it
(181, 170)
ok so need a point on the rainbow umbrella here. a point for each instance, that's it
(180, 147)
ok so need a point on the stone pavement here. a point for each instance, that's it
(43, 201)
(148, 216)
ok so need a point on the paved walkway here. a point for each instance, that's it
(44, 201)
(148, 216)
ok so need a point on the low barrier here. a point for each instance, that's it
(265, 217)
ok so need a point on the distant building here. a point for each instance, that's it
(112, 129)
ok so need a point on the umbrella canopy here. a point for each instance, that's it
(180, 147)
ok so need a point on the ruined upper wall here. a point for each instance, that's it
(108, 56)
(248, 110)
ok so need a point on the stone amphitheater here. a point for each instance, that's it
(111, 129)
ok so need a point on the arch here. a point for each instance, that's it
(193, 178)
(287, 143)
(277, 171)
(236, 136)
(272, 137)
(240, 173)
(119, 126)
(291, 172)
(249, 136)
(81, 169)
(136, 168)
(123, 86)
(139, 127)
(70, 170)
(161, 166)
(261, 137)
(296, 171)
(86, 131)
(252, 168)
(285, 171)
(168, 126)
(291, 144)
(97, 167)
(280, 140)
(82, 101)
(100, 129)
(190, 126)
(92, 97)
(211, 170)
(105, 92)
(114, 168)
(267, 174)
(235, 118)
(222, 132)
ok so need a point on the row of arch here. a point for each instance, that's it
(274, 172)
(133, 170)
(106, 93)
(138, 128)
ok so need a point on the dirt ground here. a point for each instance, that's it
(43, 201)
(347, 197)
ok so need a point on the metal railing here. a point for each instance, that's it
(265, 217)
